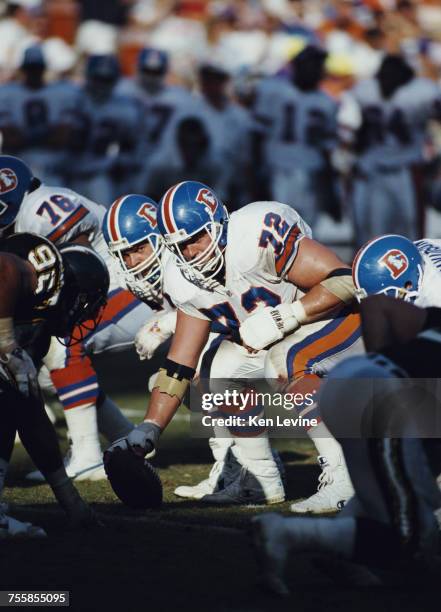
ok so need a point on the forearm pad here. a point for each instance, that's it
(174, 379)
(340, 283)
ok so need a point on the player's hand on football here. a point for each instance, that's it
(141, 440)
(154, 333)
(22, 369)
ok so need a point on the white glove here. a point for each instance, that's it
(22, 369)
(154, 333)
(268, 325)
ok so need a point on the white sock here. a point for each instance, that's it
(255, 454)
(326, 445)
(219, 447)
(111, 421)
(83, 431)
(334, 535)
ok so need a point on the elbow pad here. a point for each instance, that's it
(340, 283)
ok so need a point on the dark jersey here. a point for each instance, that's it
(47, 263)
(33, 313)
(421, 356)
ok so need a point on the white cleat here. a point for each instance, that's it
(333, 492)
(205, 487)
(76, 469)
(269, 540)
(13, 528)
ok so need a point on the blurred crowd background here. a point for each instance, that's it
(331, 106)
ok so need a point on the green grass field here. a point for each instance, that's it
(185, 556)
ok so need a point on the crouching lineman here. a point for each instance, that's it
(393, 463)
(255, 263)
(61, 215)
(131, 232)
(42, 293)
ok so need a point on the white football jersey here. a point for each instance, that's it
(263, 239)
(108, 130)
(159, 109)
(430, 291)
(61, 215)
(299, 125)
(36, 111)
(393, 131)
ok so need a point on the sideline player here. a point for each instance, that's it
(107, 135)
(161, 103)
(61, 215)
(235, 272)
(391, 519)
(42, 293)
(384, 121)
(301, 131)
(37, 117)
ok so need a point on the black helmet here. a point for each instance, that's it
(308, 66)
(84, 293)
(393, 73)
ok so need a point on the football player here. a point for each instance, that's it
(43, 293)
(396, 266)
(107, 134)
(61, 215)
(301, 131)
(247, 270)
(384, 121)
(131, 231)
(229, 127)
(391, 519)
(161, 105)
(37, 118)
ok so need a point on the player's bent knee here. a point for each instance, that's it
(275, 367)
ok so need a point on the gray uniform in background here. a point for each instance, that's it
(301, 130)
(390, 142)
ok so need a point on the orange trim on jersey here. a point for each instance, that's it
(77, 369)
(344, 331)
(116, 303)
(287, 249)
(79, 214)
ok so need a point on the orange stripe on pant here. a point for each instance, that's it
(321, 345)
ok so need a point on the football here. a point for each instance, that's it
(133, 479)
